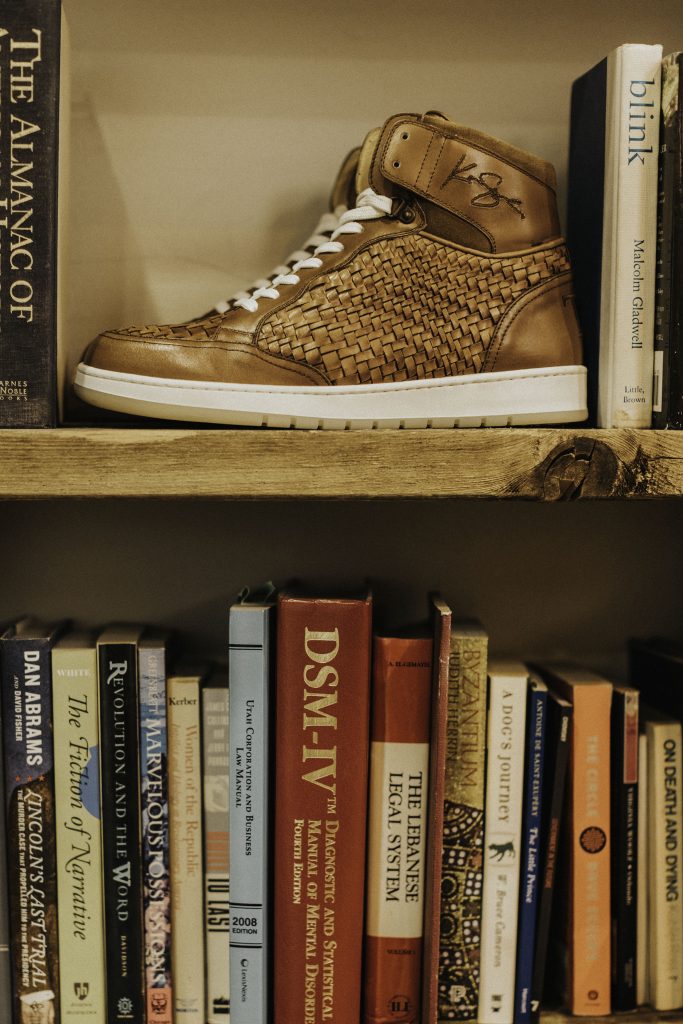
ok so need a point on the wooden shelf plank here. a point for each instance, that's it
(644, 1015)
(532, 464)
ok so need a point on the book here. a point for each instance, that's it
(665, 875)
(642, 933)
(397, 828)
(5, 962)
(33, 150)
(624, 867)
(321, 772)
(216, 806)
(30, 802)
(463, 826)
(156, 881)
(554, 779)
(117, 657)
(589, 830)
(78, 821)
(530, 862)
(251, 636)
(506, 732)
(187, 867)
(668, 368)
(611, 227)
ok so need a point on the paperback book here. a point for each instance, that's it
(624, 846)
(215, 767)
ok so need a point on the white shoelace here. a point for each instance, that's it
(328, 223)
(369, 206)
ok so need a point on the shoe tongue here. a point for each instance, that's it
(367, 152)
(344, 188)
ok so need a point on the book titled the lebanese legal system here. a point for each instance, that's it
(251, 636)
(215, 764)
(612, 227)
(187, 868)
(31, 845)
(397, 828)
(78, 829)
(463, 825)
(624, 846)
(668, 375)
(117, 655)
(589, 917)
(156, 884)
(33, 145)
(321, 773)
(508, 682)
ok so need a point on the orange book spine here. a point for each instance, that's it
(399, 779)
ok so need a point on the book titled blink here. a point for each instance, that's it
(29, 783)
(78, 828)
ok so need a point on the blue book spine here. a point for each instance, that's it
(531, 847)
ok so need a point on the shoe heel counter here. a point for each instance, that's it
(540, 329)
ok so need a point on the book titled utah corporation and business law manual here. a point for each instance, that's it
(34, 107)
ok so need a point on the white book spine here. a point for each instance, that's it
(502, 837)
(642, 972)
(627, 309)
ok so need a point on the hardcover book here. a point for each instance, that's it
(506, 731)
(5, 963)
(187, 868)
(156, 882)
(78, 829)
(397, 827)
(611, 228)
(321, 772)
(33, 147)
(463, 826)
(624, 846)
(251, 672)
(117, 654)
(215, 763)
(31, 846)
(668, 377)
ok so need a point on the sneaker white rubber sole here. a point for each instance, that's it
(554, 394)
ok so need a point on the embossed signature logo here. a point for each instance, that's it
(489, 181)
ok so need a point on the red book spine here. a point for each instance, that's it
(321, 775)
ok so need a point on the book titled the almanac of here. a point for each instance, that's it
(612, 227)
(624, 867)
(215, 764)
(80, 894)
(156, 884)
(463, 826)
(251, 670)
(30, 801)
(33, 143)
(187, 867)
(506, 732)
(397, 828)
(321, 772)
(117, 655)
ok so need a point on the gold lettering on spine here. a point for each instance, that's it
(321, 647)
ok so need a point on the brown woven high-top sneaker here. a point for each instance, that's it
(443, 298)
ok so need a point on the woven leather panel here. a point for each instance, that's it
(404, 309)
(193, 330)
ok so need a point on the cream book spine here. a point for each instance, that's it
(187, 869)
(78, 829)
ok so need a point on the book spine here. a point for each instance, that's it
(30, 41)
(397, 825)
(121, 849)
(629, 237)
(29, 779)
(156, 882)
(320, 808)
(666, 864)
(5, 961)
(187, 877)
(590, 911)
(504, 781)
(642, 964)
(624, 851)
(215, 722)
(531, 849)
(250, 667)
(79, 835)
(555, 771)
(463, 829)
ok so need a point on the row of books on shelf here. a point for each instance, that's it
(344, 827)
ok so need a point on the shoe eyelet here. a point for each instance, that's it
(407, 215)
(397, 163)
(405, 136)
